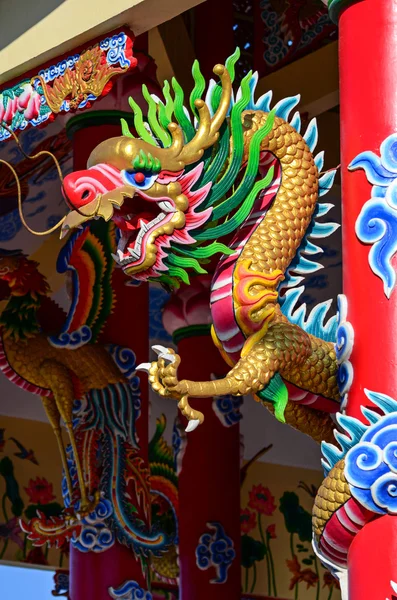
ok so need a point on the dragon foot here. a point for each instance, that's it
(195, 417)
(163, 379)
(87, 506)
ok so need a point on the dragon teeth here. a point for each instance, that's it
(133, 253)
(119, 258)
(166, 206)
(142, 225)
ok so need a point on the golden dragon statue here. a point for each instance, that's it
(226, 175)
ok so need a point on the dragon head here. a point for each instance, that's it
(145, 186)
(185, 181)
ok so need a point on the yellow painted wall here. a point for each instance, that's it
(28, 482)
(268, 488)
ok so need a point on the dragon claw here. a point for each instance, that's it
(192, 425)
(163, 353)
(144, 367)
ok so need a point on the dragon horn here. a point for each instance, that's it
(207, 131)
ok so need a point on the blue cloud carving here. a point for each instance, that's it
(371, 467)
(377, 221)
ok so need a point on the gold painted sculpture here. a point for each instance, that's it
(229, 169)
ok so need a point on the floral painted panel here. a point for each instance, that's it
(277, 556)
(30, 481)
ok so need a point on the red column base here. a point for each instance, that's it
(92, 574)
(372, 561)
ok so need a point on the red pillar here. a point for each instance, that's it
(92, 574)
(209, 482)
(368, 105)
(372, 553)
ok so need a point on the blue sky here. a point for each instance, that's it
(17, 583)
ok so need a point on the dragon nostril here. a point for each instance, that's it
(85, 194)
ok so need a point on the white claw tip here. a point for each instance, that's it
(144, 367)
(192, 425)
(162, 352)
(159, 349)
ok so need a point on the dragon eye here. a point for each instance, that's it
(138, 179)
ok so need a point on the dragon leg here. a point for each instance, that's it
(60, 382)
(286, 349)
(54, 418)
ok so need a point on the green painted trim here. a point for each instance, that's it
(335, 6)
(190, 331)
(97, 118)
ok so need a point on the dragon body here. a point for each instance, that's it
(359, 484)
(230, 176)
(246, 326)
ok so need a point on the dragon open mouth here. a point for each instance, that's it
(140, 220)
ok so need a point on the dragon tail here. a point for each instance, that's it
(105, 428)
(314, 423)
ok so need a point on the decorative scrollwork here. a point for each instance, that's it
(72, 340)
(115, 47)
(72, 83)
(130, 590)
(377, 221)
(95, 535)
(371, 467)
(215, 550)
(227, 409)
(343, 348)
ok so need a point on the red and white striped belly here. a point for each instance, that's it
(222, 305)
